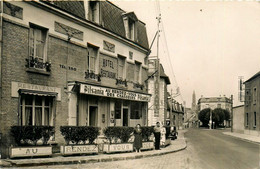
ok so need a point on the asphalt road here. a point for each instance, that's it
(216, 150)
(206, 149)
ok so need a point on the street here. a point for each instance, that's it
(209, 149)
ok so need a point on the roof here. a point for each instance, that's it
(253, 77)
(213, 99)
(162, 75)
(111, 18)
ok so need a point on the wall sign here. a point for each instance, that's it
(108, 46)
(18, 85)
(114, 93)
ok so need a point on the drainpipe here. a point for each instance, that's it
(1, 47)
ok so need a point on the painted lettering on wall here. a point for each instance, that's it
(31, 151)
(69, 67)
(108, 63)
(105, 73)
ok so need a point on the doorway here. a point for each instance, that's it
(125, 117)
(93, 118)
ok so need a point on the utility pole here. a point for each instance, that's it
(231, 113)
(210, 121)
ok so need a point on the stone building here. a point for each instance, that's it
(175, 113)
(157, 107)
(214, 102)
(71, 63)
(252, 105)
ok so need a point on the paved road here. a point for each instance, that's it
(207, 149)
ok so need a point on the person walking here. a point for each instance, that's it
(138, 138)
(157, 135)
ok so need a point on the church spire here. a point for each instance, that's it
(193, 106)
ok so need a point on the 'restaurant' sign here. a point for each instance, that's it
(114, 93)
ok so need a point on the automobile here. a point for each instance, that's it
(173, 133)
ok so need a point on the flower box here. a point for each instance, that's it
(148, 145)
(79, 149)
(33, 151)
(117, 147)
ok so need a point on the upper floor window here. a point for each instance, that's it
(219, 106)
(36, 110)
(130, 20)
(121, 67)
(92, 59)
(255, 96)
(130, 55)
(137, 71)
(37, 47)
(254, 119)
(247, 120)
(93, 14)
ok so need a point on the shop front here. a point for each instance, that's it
(103, 106)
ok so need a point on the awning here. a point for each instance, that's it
(38, 93)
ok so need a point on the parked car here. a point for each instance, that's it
(173, 133)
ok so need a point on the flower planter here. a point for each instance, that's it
(117, 147)
(33, 151)
(148, 145)
(79, 149)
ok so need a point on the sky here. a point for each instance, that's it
(204, 46)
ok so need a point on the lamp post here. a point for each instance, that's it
(210, 120)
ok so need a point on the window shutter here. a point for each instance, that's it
(31, 42)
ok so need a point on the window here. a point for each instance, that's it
(247, 119)
(135, 110)
(92, 59)
(37, 46)
(254, 119)
(130, 55)
(121, 67)
(117, 110)
(36, 110)
(94, 11)
(131, 26)
(219, 106)
(137, 72)
(254, 95)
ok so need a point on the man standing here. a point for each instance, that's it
(157, 135)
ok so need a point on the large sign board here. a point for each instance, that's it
(114, 93)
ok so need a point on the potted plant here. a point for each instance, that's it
(147, 132)
(31, 141)
(79, 140)
(118, 139)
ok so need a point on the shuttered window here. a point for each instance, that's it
(92, 57)
(121, 67)
(137, 72)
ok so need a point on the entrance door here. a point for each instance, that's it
(93, 116)
(125, 117)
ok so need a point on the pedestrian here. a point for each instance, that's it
(138, 138)
(157, 135)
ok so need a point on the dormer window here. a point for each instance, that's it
(93, 11)
(130, 20)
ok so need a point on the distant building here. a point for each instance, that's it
(214, 102)
(194, 105)
(157, 107)
(252, 105)
(238, 119)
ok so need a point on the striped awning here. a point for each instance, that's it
(38, 93)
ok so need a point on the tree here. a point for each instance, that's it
(227, 114)
(218, 116)
(204, 116)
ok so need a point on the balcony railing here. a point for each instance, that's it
(138, 85)
(37, 63)
(93, 76)
(121, 82)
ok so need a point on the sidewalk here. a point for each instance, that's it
(176, 145)
(245, 137)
